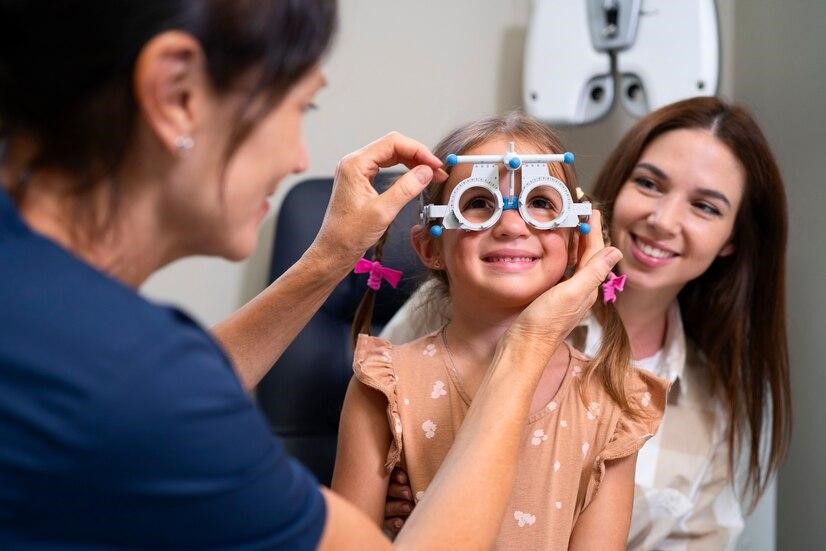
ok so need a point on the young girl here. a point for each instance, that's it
(575, 481)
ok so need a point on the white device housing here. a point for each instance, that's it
(664, 51)
(565, 80)
(676, 55)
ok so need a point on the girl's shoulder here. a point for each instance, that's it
(629, 428)
(380, 360)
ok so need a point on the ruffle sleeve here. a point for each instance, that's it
(647, 396)
(373, 367)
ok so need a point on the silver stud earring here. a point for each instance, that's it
(184, 143)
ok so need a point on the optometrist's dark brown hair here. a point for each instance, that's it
(735, 312)
(66, 73)
(612, 362)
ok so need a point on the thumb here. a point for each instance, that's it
(406, 188)
(594, 272)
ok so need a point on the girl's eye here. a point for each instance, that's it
(478, 203)
(542, 203)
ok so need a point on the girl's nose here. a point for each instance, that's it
(510, 225)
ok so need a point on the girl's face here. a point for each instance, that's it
(676, 213)
(509, 264)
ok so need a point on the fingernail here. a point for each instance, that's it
(613, 256)
(423, 173)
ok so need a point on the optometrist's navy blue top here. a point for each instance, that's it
(122, 423)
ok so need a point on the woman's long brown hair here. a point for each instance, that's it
(611, 363)
(734, 312)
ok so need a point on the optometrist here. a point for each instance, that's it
(138, 133)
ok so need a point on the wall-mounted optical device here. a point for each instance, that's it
(476, 203)
(580, 54)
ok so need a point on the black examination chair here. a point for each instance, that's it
(303, 393)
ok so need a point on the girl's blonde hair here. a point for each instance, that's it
(612, 361)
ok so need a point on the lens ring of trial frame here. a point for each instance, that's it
(567, 218)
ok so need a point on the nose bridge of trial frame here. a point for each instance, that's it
(513, 161)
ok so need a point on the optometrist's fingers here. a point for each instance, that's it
(357, 215)
(408, 186)
(392, 149)
(556, 312)
(593, 242)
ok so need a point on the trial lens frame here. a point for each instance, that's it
(485, 175)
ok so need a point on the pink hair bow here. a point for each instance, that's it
(610, 288)
(377, 273)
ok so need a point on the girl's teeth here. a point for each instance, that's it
(654, 252)
(511, 259)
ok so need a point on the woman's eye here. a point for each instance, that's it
(645, 183)
(708, 208)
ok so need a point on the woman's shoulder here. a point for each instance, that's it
(100, 326)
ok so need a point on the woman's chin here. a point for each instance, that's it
(240, 249)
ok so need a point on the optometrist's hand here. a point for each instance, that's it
(556, 312)
(357, 215)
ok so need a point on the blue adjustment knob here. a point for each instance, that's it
(436, 231)
(514, 163)
(568, 158)
(451, 160)
(584, 228)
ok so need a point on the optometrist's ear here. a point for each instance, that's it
(170, 84)
(428, 249)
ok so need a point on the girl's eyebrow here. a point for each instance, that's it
(712, 193)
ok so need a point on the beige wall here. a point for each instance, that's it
(424, 67)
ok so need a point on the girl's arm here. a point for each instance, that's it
(605, 522)
(363, 442)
